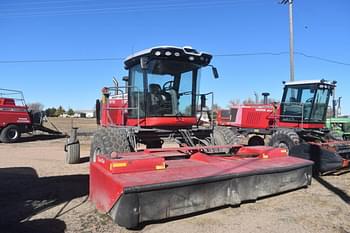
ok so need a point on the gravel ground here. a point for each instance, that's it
(39, 193)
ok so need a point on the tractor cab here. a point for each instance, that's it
(306, 101)
(162, 87)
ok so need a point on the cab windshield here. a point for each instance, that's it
(308, 103)
(166, 88)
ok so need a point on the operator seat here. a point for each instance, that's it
(156, 99)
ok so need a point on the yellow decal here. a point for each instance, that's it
(161, 166)
(114, 165)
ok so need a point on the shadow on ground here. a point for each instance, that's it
(337, 191)
(40, 137)
(23, 194)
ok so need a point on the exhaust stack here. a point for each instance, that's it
(266, 95)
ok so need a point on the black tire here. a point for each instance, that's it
(256, 141)
(284, 138)
(332, 135)
(10, 134)
(72, 155)
(225, 136)
(108, 140)
(98, 112)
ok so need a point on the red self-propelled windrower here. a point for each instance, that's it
(159, 104)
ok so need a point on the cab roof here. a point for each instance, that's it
(322, 81)
(185, 54)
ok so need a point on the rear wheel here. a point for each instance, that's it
(10, 134)
(108, 140)
(284, 139)
(225, 136)
(256, 141)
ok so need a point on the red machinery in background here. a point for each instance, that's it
(297, 124)
(15, 118)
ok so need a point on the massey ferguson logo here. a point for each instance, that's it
(23, 120)
(263, 110)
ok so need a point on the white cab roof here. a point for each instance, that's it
(309, 82)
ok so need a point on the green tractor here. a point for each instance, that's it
(339, 126)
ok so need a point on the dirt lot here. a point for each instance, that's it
(39, 193)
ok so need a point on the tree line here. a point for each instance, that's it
(55, 112)
(50, 112)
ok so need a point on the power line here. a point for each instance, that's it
(95, 5)
(61, 60)
(284, 53)
(250, 54)
(124, 8)
(215, 55)
(323, 59)
(16, 4)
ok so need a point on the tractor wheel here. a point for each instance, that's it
(284, 139)
(108, 140)
(256, 141)
(10, 134)
(225, 136)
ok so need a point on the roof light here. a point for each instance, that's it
(177, 54)
(191, 58)
(168, 53)
(157, 53)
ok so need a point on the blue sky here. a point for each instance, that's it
(43, 29)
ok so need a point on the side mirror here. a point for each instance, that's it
(215, 72)
(144, 63)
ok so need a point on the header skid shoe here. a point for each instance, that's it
(157, 184)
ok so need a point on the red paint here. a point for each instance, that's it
(114, 112)
(260, 116)
(11, 114)
(107, 186)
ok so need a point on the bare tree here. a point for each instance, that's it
(216, 107)
(249, 101)
(36, 106)
(234, 102)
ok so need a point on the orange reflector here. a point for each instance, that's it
(265, 156)
(116, 165)
(160, 167)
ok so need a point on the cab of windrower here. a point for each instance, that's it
(162, 87)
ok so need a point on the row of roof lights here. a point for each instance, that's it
(167, 53)
(177, 54)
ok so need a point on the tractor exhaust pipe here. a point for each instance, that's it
(266, 95)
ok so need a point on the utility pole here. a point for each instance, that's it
(291, 37)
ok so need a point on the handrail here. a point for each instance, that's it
(123, 93)
(13, 94)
